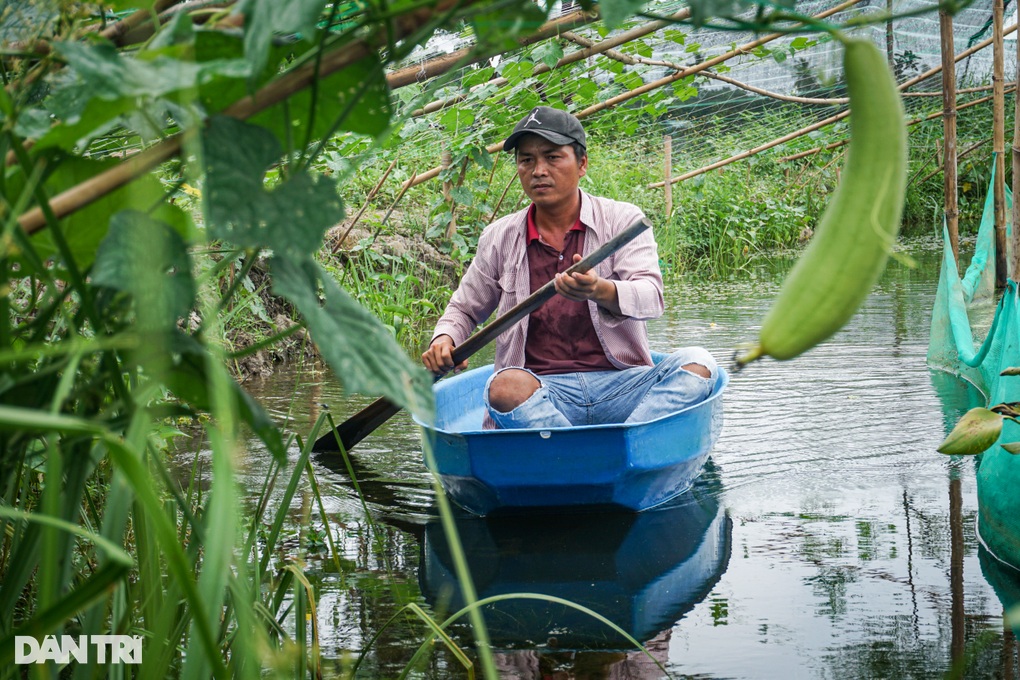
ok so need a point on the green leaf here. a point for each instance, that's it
(629, 80)
(291, 219)
(644, 49)
(265, 18)
(108, 74)
(463, 195)
(977, 430)
(362, 353)
(221, 87)
(615, 12)
(455, 119)
(515, 72)
(587, 89)
(679, 37)
(96, 118)
(703, 10)
(477, 77)
(548, 53)
(148, 259)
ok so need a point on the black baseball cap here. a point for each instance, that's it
(556, 125)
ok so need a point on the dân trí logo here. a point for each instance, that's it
(82, 648)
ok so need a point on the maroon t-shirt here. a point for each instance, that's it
(561, 336)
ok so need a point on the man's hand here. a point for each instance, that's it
(438, 358)
(588, 286)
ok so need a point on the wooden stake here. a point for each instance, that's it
(949, 131)
(999, 144)
(889, 53)
(668, 153)
(403, 190)
(499, 203)
(960, 156)
(371, 195)
(1016, 174)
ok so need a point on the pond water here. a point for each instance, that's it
(827, 538)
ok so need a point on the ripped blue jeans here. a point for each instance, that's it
(631, 395)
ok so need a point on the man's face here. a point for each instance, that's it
(549, 173)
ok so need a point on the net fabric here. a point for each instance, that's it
(963, 315)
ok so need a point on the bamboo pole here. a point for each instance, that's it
(668, 154)
(999, 145)
(952, 213)
(708, 63)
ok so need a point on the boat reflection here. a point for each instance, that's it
(641, 571)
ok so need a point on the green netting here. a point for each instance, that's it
(964, 314)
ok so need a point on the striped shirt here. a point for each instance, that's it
(497, 279)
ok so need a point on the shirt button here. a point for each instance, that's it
(561, 257)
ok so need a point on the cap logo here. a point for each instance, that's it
(533, 117)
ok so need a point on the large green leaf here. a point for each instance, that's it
(85, 228)
(220, 89)
(150, 260)
(265, 18)
(108, 74)
(102, 84)
(291, 219)
(355, 99)
(360, 350)
(498, 30)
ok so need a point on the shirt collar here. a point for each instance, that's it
(533, 228)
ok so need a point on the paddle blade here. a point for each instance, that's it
(357, 427)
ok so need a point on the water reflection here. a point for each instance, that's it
(641, 571)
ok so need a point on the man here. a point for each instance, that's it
(583, 357)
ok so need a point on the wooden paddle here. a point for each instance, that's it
(364, 422)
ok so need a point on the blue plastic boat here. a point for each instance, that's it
(636, 466)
